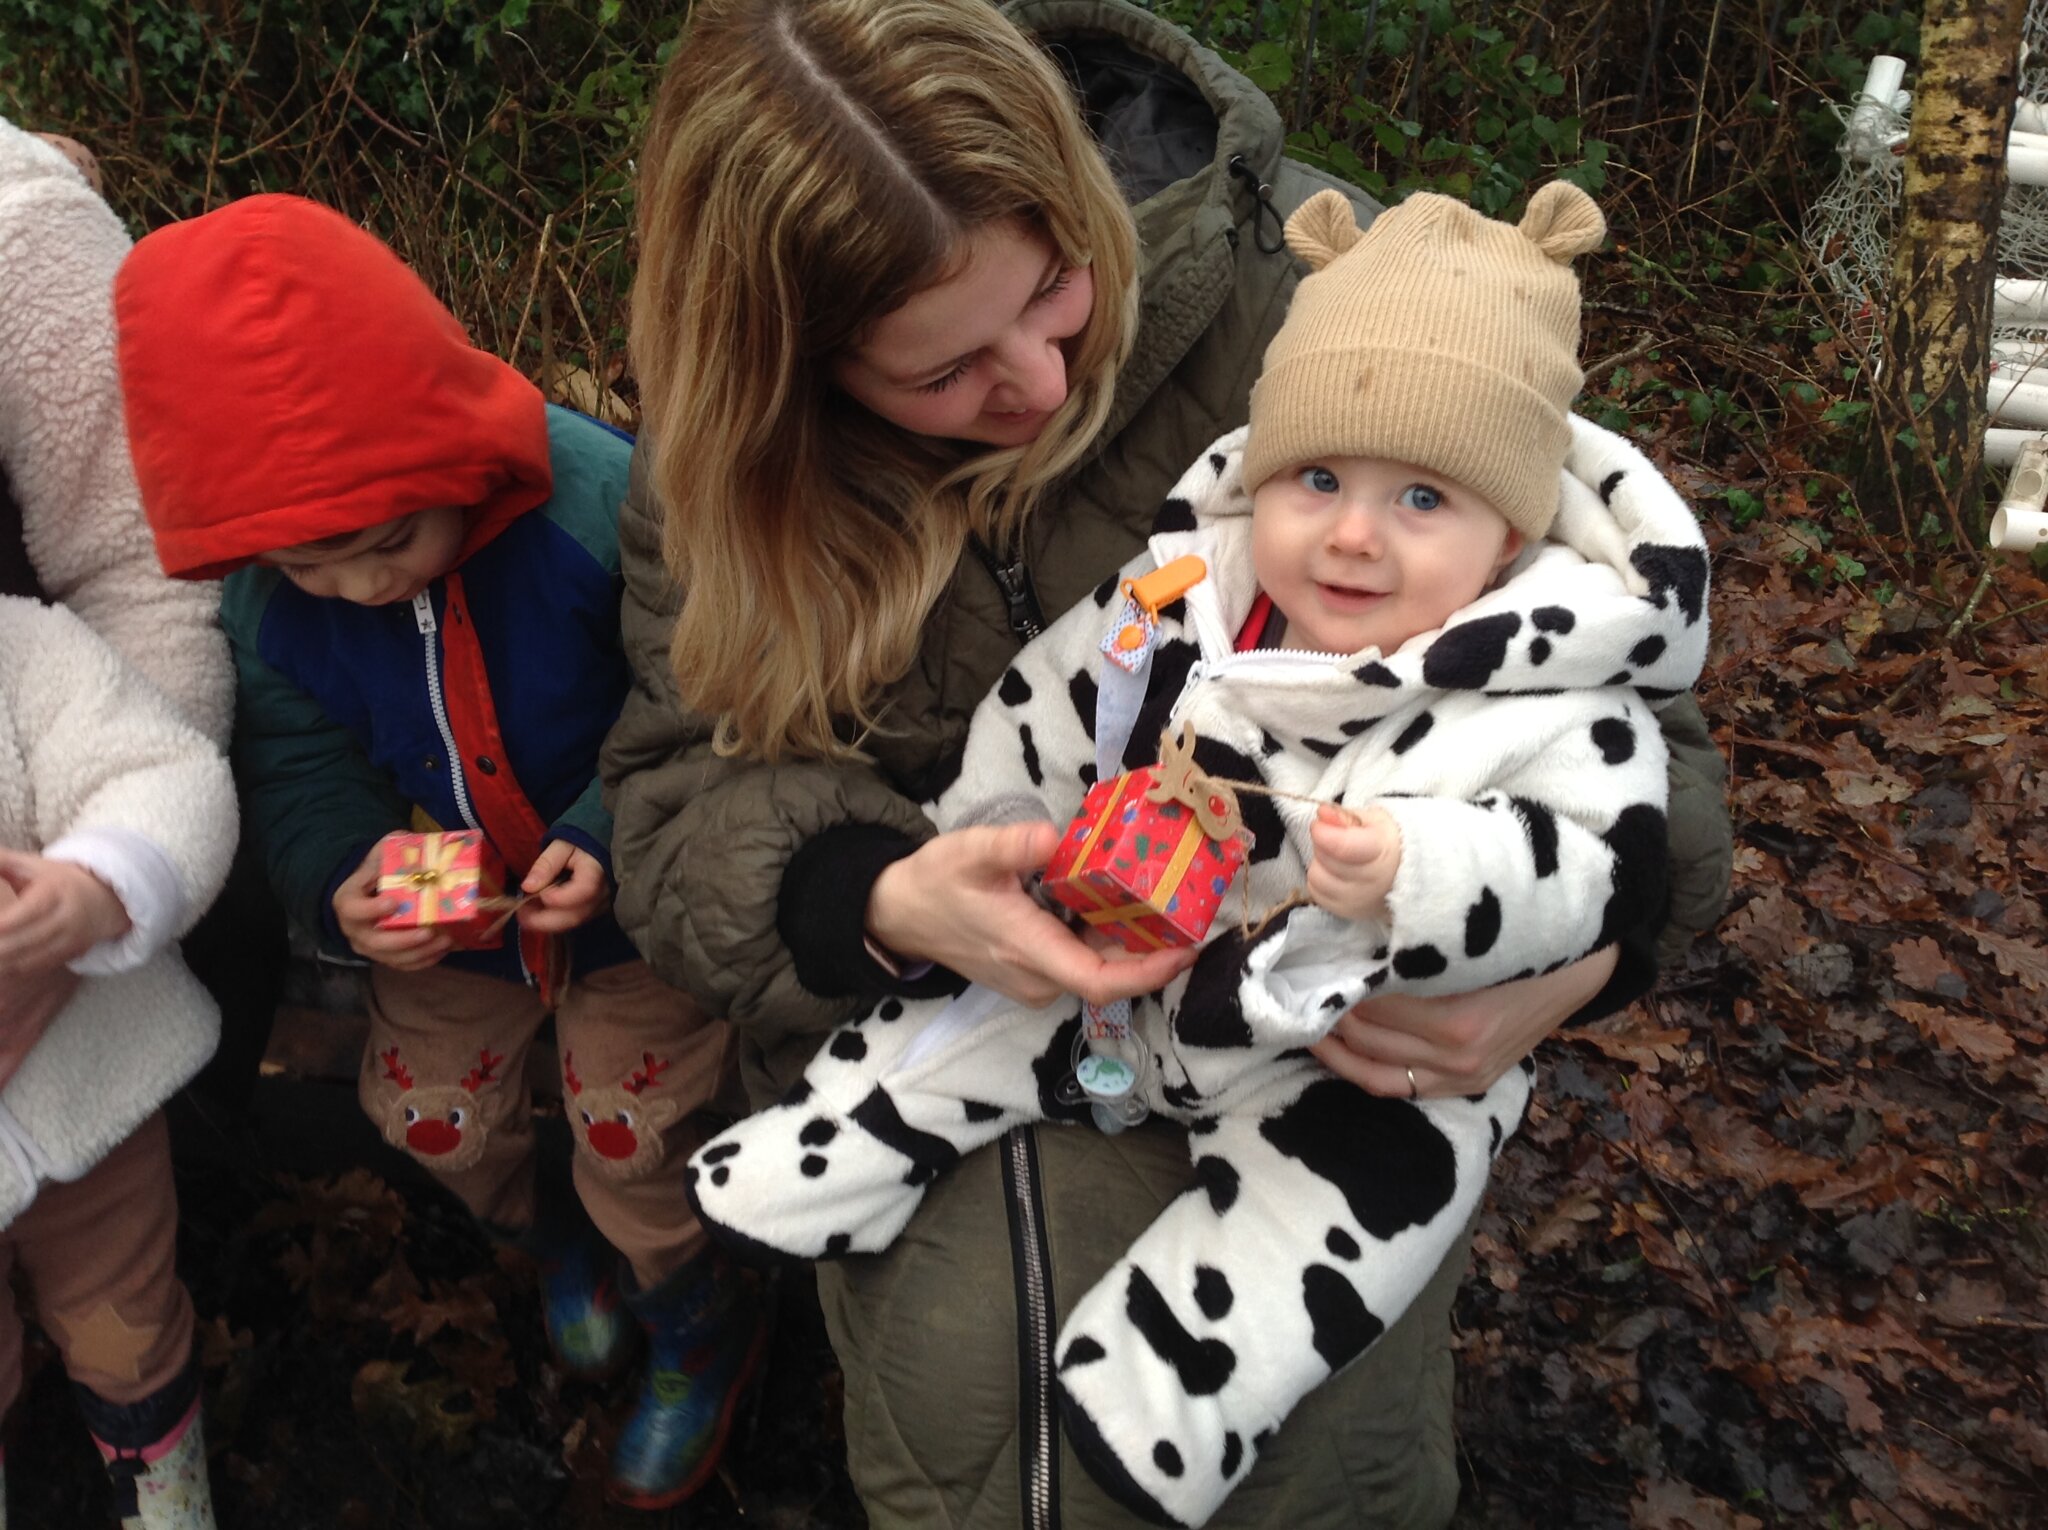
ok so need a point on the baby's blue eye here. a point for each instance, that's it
(1420, 496)
(1320, 479)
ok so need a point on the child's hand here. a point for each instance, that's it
(559, 903)
(59, 912)
(357, 908)
(1356, 856)
(28, 1004)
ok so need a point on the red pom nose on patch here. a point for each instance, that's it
(433, 1137)
(612, 1139)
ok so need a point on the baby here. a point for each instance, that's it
(1434, 615)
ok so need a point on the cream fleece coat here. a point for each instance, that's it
(95, 765)
(64, 449)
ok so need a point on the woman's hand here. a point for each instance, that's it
(56, 913)
(959, 900)
(569, 888)
(357, 908)
(1457, 1043)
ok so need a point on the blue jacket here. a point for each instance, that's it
(347, 725)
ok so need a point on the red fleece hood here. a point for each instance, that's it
(288, 378)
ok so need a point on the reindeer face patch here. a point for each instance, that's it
(439, 1124)
(619, 1126)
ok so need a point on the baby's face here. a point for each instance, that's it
(378, 567)
(1360, 553)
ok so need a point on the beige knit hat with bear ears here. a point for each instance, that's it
(1438, 337)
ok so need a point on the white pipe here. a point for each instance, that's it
(2017, 301)
(2019, 525)
(2002, 445)
(2016, 357)
(1882, 81)
(2025, 165)
(2030, 116)
(2013, 402)
(1864, 136)
(2018, 530)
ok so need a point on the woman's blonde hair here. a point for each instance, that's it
(813, 164)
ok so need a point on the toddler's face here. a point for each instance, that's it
(380, 566)
(1359, 553)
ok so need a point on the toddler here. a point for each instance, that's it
(422, 599)
(117, 821)
(1416, 611)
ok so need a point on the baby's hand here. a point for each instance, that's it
(58, 913)
(1356, 856)
(562, 903)
(357, 908)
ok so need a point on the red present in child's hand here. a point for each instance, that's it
(1141, 869)
(452, 882)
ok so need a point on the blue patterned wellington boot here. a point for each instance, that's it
(705, 1335)
(590, 1333)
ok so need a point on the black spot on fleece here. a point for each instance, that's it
(1394, 1167)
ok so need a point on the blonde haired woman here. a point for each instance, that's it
(921, 349)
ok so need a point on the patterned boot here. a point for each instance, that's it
(705, 1336)
(155, 1452)
(589, 1330)
(590, 1334)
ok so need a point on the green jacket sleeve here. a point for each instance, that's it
(700, 840)
(587, 824)
(1701, 834)
(311, 799)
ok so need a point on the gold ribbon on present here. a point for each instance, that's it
(1170, 878)
(420, 880)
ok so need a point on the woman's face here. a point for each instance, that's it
(981, 356)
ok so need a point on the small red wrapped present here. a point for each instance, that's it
(452, 881)
(1151, 854)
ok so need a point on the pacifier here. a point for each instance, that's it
(1104, 1080)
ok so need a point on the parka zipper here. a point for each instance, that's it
(423, 618)
(1013, 581)
(1037, 1429)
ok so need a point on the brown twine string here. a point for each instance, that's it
(558, 949)
(510, 906)
(1299, 898)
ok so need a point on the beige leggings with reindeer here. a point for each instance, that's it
(444, 1077)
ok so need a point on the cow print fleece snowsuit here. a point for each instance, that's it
(1518, 751)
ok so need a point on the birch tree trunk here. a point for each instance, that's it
(1927, 447)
